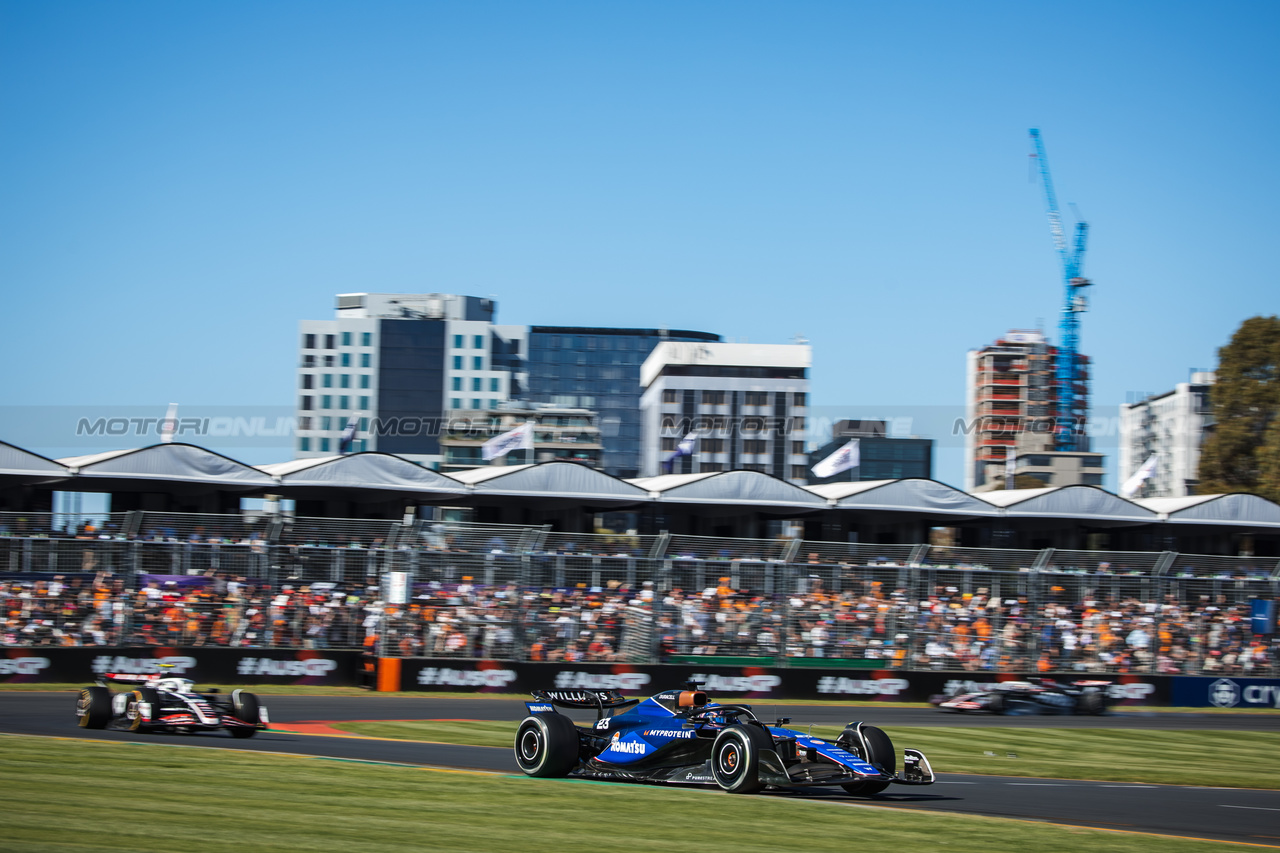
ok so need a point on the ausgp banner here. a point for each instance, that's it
(202, 665)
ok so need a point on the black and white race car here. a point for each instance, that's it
(680, 737)
(166, 704)
(1037, 696)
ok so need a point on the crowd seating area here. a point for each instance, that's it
(527, 593)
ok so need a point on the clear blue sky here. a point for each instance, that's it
(180, 183)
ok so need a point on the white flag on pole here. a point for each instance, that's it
(1010, 467)
(520, 438)
(1131, 485)
(348, 434)
(170, 424)
(848, 456)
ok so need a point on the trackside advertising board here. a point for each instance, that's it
(756, 683)
(203, 665)
(1226, 692)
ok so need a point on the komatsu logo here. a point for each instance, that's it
(23, 666)
(738, 684)
(172, 665)
(863, 686)
(631, 747)
(430, 675)
(309, 668)
(626, 681)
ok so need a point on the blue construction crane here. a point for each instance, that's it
(1073, 405)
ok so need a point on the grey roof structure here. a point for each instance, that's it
(1242, 510)
(909, 495)
(142, 468)
(18, 466)
(365, 472)
(1078, 503)
(754, 489)
(559, 481)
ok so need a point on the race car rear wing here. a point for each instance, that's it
(601, 700)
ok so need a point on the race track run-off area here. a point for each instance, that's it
(313, 725)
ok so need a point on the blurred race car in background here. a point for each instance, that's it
(168, 705)
(678, 736)
(1037, 696)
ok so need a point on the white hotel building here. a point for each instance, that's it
(748, 403)
(1172, 425)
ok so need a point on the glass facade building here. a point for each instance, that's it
(599, 368)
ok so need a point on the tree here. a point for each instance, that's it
(1242, 453)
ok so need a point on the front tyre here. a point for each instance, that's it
(878, 752)
(547, 745)
(141, 708)
(735, 758)
(93, 708)
(245, 707)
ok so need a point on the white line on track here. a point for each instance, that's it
(1038, 784)
(1255, 808)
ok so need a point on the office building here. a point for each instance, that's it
(398, 363)
(1171, 426)
(560, 435)
(599, 369)
(747, 403)
(1012, 406)
(881, 457)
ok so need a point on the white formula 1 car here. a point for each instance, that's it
(166, 704)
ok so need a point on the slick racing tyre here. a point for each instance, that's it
(244, 706)
(735, 758)
(132, 714)
(547, 745)
(93, 708)
(879, 752)
(1092, 701)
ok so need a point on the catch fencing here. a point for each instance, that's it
(527, 593)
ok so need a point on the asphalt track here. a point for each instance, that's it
(1224, 814)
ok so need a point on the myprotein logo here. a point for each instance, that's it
(23, 666)
(862, 686)
(309, 668)
(431, 675)
(171, 665)
(738, 683)
(624, 681)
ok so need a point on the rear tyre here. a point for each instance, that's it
(996, 703)
(93, 708)
(1092, 701)
(879, 753)
(244, 707)
(547, 745)
(735, 758)
(134, 715)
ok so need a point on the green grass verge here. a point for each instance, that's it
(1113, 755)
(65, 795)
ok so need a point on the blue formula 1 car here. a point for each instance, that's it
(680, 737)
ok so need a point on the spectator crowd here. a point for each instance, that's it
(1067, 627)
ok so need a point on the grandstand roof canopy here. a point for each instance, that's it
(366, 472)
(1082, 503)
(561, 481)
(1237, 509)
(143, 468)
(22, 466)
(739, 488)
(910, 495)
